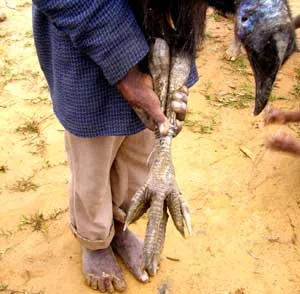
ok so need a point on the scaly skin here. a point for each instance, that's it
(161, 193)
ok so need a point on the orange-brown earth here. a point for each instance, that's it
(245, 200)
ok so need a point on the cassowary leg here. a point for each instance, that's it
(233, 52)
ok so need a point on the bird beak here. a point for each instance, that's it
(266, 30)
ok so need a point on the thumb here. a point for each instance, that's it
(152, 107)
(161, 120)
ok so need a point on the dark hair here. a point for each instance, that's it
(188, 17)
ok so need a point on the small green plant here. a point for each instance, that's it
(39, 146)
(3, 287)
(3, 168)
(24, 185)
(239, 65)
(36, 221)
(31, 126)
(296, 87)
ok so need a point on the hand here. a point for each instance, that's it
(274, 116)
(282, 141)
(179, 106)
(137, 89)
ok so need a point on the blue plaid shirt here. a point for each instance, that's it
(84, 48)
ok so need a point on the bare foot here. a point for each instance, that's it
(233, 52)
(130, 249)
(102, 271)
(282, 141)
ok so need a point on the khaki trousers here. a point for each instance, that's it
(104, 170)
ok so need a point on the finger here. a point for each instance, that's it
(119, 284)
(152, 107)
(180, 109)
(164, 128)
(185, 90)
(179, 126)
(180, 97)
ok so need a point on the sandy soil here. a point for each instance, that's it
(245, 200)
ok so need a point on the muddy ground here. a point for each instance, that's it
(245, 200)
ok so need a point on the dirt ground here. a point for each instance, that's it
(245, 200)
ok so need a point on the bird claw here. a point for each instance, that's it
(160, 195)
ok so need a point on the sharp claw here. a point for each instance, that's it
(125, 226)
(119, 214)
(138, 206)
(175, 209)
(152, 267)
(187, 217)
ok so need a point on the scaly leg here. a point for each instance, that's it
(161, 190)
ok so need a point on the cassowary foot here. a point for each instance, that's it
(233, 52)
(160, 195)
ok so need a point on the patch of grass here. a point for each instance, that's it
(32, 125)
(5, 233)
(36, 221)
(24, 185)
(3, 287)
(296, 90)
(54, 214)
(39, 100)
(200, 127)
(39, 147)
(217, 17)
(3, 168)
(276, 98)
(238, 99)
(296, 87)
(198, 123)
(239, 65)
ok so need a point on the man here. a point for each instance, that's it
(89, 51)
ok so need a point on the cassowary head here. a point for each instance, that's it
(266, 29)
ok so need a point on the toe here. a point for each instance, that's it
(88, 280)
(119, 284)
(108, 285)
(94, 283)
(101, 286)
(141, 275)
